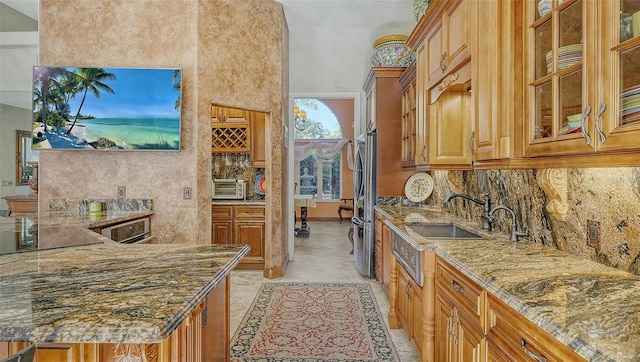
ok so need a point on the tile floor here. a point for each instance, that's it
(323, 257)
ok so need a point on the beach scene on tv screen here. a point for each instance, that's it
(106, 108)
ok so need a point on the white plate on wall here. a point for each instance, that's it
(418, 187)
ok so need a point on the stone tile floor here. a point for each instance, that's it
(323, 257)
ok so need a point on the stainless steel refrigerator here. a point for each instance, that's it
(364, 183)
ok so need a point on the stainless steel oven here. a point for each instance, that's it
(130, 232)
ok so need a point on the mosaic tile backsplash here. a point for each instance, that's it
(604, 201)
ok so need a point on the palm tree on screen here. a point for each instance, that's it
(91, 79)
(45, 76)
(176, 80)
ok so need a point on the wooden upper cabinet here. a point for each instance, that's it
(441, 42)
(383, 114)
(221, 114)
(258, 134)
(582, 84)
(450, 131)
(497, 91)
(447, 41)
(620, 123)
(409, 125)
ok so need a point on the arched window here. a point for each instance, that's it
(318, 149)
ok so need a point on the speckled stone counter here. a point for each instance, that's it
(109, 292)
(58, 229)
(592, 308)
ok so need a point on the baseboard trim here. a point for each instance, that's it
(277, 272)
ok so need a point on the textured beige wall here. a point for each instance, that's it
(231, 53)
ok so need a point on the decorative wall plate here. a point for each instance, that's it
(418, 187)
(260, 180)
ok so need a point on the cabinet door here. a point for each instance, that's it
(447, 42)
(258, 134)
(417, 316)
(229, 115)
(221, 232)
(422, 129)
(456, 34)
(450, 131)
(561, 78)
(619, 126)
(496, 96)
(446, 341)
(436, 57)
(403, 303)
(409, 130)
(470, 341)
(386, 257)
(251, 233)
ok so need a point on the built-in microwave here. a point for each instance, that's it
(228, 189)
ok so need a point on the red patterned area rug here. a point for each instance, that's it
(305, 322)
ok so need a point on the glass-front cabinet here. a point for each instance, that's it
(558, 89)
(620, 75)
(583, 76)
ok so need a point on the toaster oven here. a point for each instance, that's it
(228, 189)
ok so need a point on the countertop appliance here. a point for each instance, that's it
(228, 189)
(364, 183)
(130, 232)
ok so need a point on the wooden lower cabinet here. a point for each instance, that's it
(515, 338)
(203, 337)
(457, 338)
(241, 224)
(452, 318)
(382, 253)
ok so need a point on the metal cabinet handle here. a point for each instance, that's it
(603, 138)
(473, 135)
(409, 289)
(537, 357)
(443, 66)
(458, 288)
(587, 111)
(453, 333)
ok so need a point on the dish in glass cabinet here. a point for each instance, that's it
(418, 187)
(260, 180)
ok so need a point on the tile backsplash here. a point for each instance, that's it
(608, 198)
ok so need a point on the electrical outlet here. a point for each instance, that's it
(122, 192)
(593, 233)
(186, 193)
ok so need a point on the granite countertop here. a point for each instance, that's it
(592, 308)
(109, 292)
(49, 230)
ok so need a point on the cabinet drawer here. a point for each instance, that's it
(512, 333)
(468, 295)
(249, 212)
(220, 212)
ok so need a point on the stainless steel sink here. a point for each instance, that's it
(443, 231)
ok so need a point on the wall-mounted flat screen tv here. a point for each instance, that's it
(77, 108)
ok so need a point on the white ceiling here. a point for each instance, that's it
(344, 27)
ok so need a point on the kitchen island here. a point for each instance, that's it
(592, 309)
(105, 301)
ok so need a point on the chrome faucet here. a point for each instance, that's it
(514, 228)
(486, 218)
